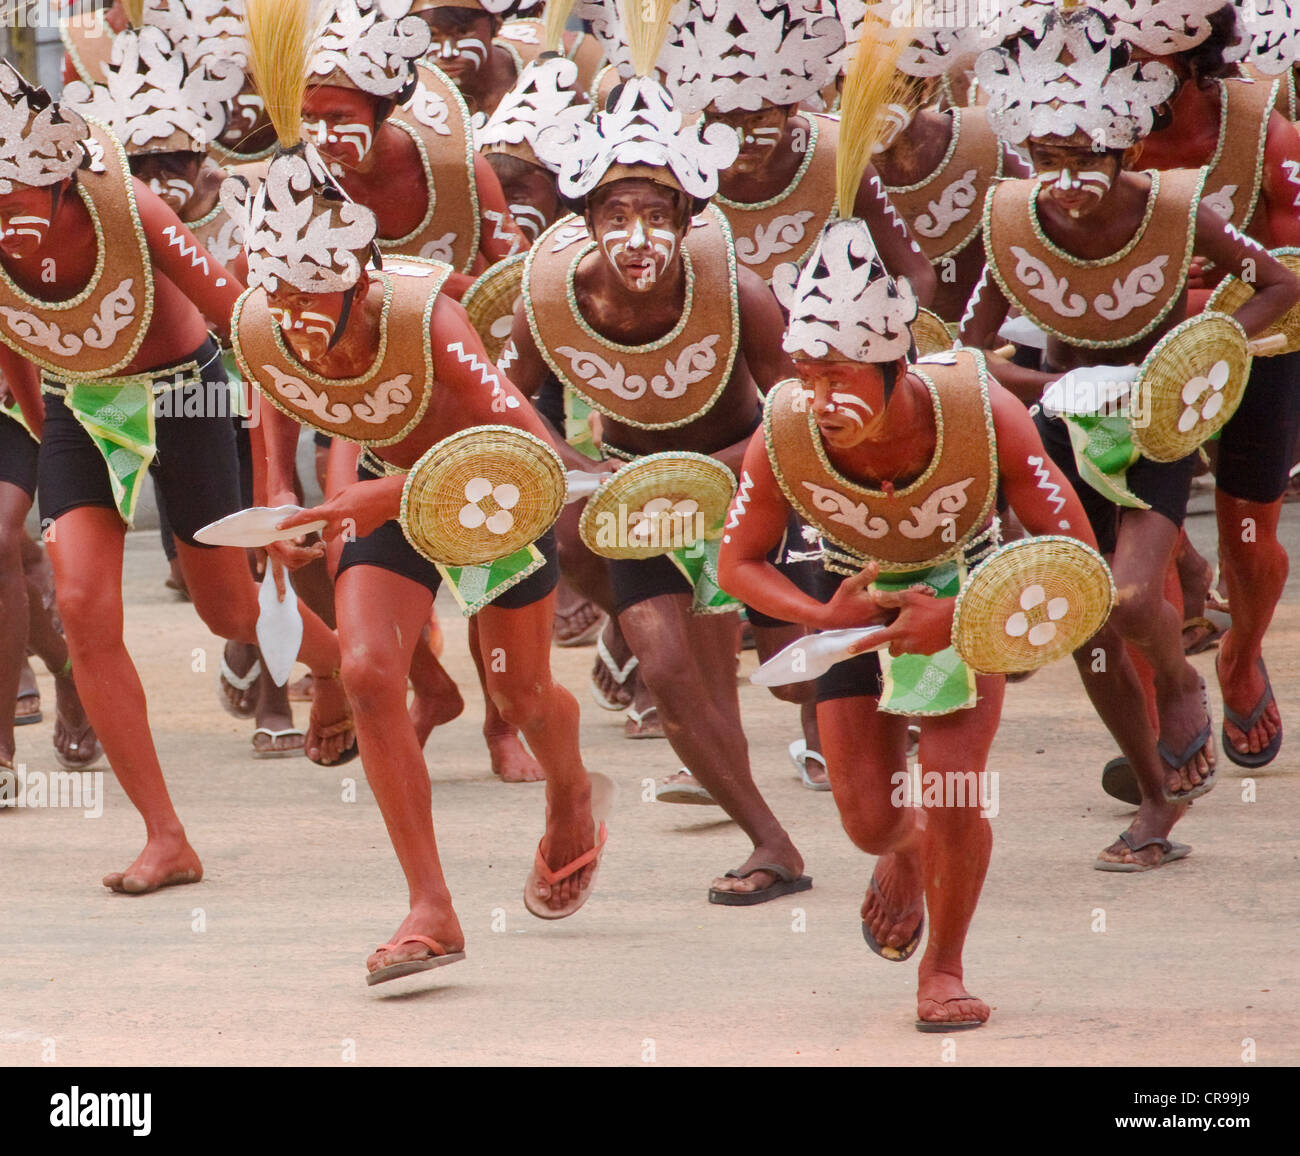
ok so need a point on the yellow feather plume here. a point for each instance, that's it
(280, 38)
(872, 83)
(134, 10)
(645, 27)
(553, 21)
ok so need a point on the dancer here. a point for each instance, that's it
(1254, 158)
(314, 320)
(101, 288)
(646, 281)
(1069, 249)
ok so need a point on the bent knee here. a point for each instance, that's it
(372, 680)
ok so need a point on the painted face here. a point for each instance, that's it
(1076, 176)
(759, 134)
(341, 123)
(462, 39)
(846, 399)
(174, 178)
(246, 117)
(308, 321)
(638, 228)
(896, 118)
(25, 216)
(530, 193)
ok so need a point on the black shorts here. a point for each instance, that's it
(1164, 486)
(550, 403)
(1257, 446)
(388, 549)
(196, 468)
(805, 574)
(18, 452)
(856, 677)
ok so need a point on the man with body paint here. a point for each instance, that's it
(107, 299)
(316, 310)
(1097, 256)
(1253, 183)
(882, 434)
(642, 284)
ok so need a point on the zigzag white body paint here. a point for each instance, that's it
(739, 503)
(485, 372)
(197, 259)
(974, 298)
(498, 233)
(1049, 487)
(509, 355)
(878, 187)
(1293, 176)
(1249, 242)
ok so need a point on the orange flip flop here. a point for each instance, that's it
(440, 958)
(602, 798)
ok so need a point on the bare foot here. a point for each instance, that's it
(1155, 818)
(329, 711)
(1183, 714)
(436, 701)
(942, 998)
(437, 922)
(511, 762)
(74, 737)
(162, 863)
(783, 853)
(1242, 684)
(571, 832)
(893, 908)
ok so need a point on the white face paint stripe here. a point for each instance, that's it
(472, 47)
(845, 403)
(13, 229)
(532, 221)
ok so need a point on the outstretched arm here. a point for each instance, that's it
(1276, 289)
(180, 256)
(21, 380)
(985, 312)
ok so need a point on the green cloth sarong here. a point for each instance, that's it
(118, 415)
(475, 586)
(926, 684)
(1103, 452)
(699, 563)
(577, 429)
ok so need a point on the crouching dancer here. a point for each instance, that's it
(897, 466)
(385, 359)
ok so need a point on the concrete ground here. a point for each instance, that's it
(263, 963)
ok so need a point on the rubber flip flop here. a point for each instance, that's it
(77, 764)
(273, 752)
(328, 732)
(787, 883)
(584, 637)
(894, 954)
(440, 958)
(620, 674)
(239, 682)
(1119, 781)
(1172, 852)
(603, 791)
(943, 1027)
(691, 794)
(1258, 758)
(632, 729)
(1208, 638)
(799, 755)
(1175, 760)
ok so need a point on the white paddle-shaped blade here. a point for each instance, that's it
(279, 629)
(811, 657)
(255, 527)
(582, 484)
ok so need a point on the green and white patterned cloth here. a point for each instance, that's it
(1104, 452)
(926, 684)
(475, 586)
(119, 417)
(699, 563)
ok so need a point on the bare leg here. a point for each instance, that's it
(688, 661)
(511, 762)
(770, 640)
(14, 504)
(437, 698)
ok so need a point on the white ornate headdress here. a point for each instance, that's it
(605, 22)
(736, 54)
(300, 228)
(204, 30)
(39, 141)
(544, 95)
(1161, 27)
(1071, 79)
(946, 33)
(842, 300)
(153, 100)
(371, 45)
(1271, 31)
(641, 132)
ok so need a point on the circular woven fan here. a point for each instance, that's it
(1189, 386)
(1232, 293)
(490, 303)
(657, 504)
(482, 494)
(1032, 602)
(930, 334)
